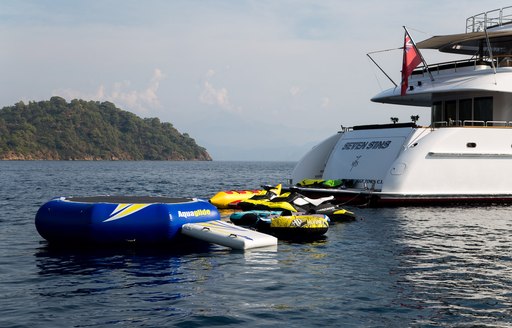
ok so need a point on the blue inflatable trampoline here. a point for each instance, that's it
(118, 219)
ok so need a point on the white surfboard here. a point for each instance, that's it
(228, 234)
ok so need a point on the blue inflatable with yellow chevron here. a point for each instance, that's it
(118, 219)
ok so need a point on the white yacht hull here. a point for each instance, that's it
(414, 165)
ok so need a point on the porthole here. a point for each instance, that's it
(471, 145)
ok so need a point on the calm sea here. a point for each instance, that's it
(401, 267)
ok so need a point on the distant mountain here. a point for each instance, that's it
(89, 130)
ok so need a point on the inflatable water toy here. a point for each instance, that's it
(119, 219)
(228, 234)
(297, 226)
(283, 224)
(252, 218)
(231, 198)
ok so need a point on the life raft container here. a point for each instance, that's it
(118, 219)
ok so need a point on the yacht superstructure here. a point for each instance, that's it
(465, 155)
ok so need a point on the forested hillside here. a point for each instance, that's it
(89, 130)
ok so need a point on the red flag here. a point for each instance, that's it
(412, 59)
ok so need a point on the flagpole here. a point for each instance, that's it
(421, 56)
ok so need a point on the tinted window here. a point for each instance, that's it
(483, 109)
(450, 110)
(465, 109)
(437, 113)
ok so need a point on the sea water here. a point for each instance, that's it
(392, 267)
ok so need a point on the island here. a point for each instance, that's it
(89, 130)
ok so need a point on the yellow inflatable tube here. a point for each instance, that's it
(231, 198)
(300, 222)
(299, 226)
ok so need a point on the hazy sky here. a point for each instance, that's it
(248, 80)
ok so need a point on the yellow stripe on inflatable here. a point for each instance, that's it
(123, 210)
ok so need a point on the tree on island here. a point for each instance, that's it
(89, 130)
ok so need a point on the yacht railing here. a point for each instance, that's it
(468, 123)
(474, 123)
(492, 18)
(497, 123)
(499, 61)
(454, 65)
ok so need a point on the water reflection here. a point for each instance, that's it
(261, 259)
(457, 260)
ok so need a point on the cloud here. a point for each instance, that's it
(120, 94)
(210, 95)
(325, 101)
(294, 90)
(210, 73)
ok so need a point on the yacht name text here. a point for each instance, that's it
(366, 145)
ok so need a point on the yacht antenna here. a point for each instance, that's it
(489, 49)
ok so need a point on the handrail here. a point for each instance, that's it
(498, 60)
(452, 65)
(466, 123)
(473, 123)
(492, 18)
(497, 123)
(437, 124)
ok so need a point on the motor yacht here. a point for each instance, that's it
(463, 156)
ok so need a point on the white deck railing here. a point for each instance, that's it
(458, 123)
(493, 18)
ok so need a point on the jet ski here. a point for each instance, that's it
(295, 202)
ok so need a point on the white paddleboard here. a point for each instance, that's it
(228, 234)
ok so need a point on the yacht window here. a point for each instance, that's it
(482, 110)
(437, 113)
(465, 109)
(450, 111)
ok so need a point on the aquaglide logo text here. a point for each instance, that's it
(196, 213)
